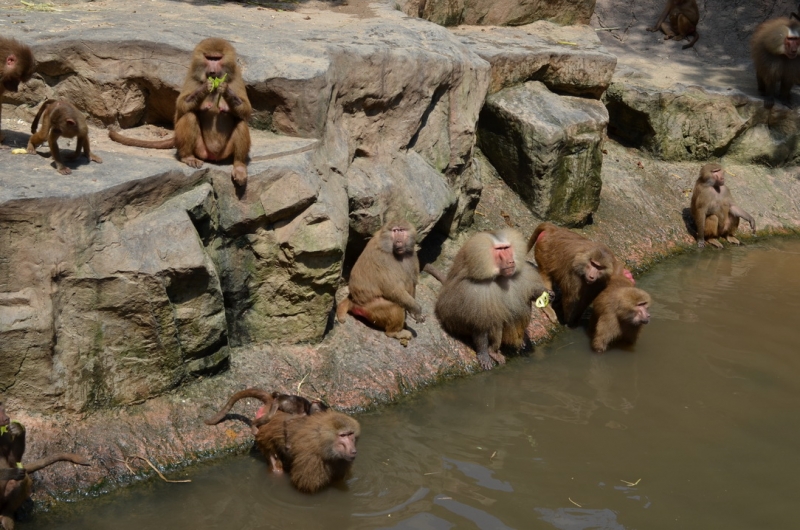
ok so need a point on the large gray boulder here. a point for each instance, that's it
(693, 123)
(568, 59)
(548, 148)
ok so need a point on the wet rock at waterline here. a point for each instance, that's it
(547, 148)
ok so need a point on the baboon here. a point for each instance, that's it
(61, 118)
(487, 294)
(383, 281)
(15, 487)
(273, 402)
(774, 47)
(618, 313)
(14, 492)
(579, 267)
(211, 112)
(683, 18)
(713, 211)
(316, 450)
(17, 67)
(290, 404)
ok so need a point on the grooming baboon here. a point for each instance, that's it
(316, 450)
(61, 118)
(487, 294)
(618, 313)
(774, 48)
(211, 112)
(17, 67)
(683, 18)
(713, 211)
(579, 267)
(383, 281)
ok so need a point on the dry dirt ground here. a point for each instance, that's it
(720, 58)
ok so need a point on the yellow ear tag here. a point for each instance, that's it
(543, 300)
(217, 81)
(19, 465)
(3, 430)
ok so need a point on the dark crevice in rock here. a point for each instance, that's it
(437, 95)
(628, 126)
(355, 246)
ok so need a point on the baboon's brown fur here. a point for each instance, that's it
(316, 450)
(487, 294)
(712, 207)
(578, 266)
(618, 313)
(383, 281)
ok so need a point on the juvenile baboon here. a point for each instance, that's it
(487, 294)
(211, 112)
(683, 18)
(713, 211)
(17, 67)
(61, 118)
(774, 48)
(273, 402)
(578, 266)
(618, 313)
(290, 404)
(316, 450)
(383, 281)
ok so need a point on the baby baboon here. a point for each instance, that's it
(61, 118)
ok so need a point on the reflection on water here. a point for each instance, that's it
(695, 428)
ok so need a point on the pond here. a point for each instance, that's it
(696, 427)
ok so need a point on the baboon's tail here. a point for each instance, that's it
(60, 457)
(257, 393)
(167, 143)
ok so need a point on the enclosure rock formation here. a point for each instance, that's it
(694, 123)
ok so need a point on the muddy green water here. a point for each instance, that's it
(697, 427)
